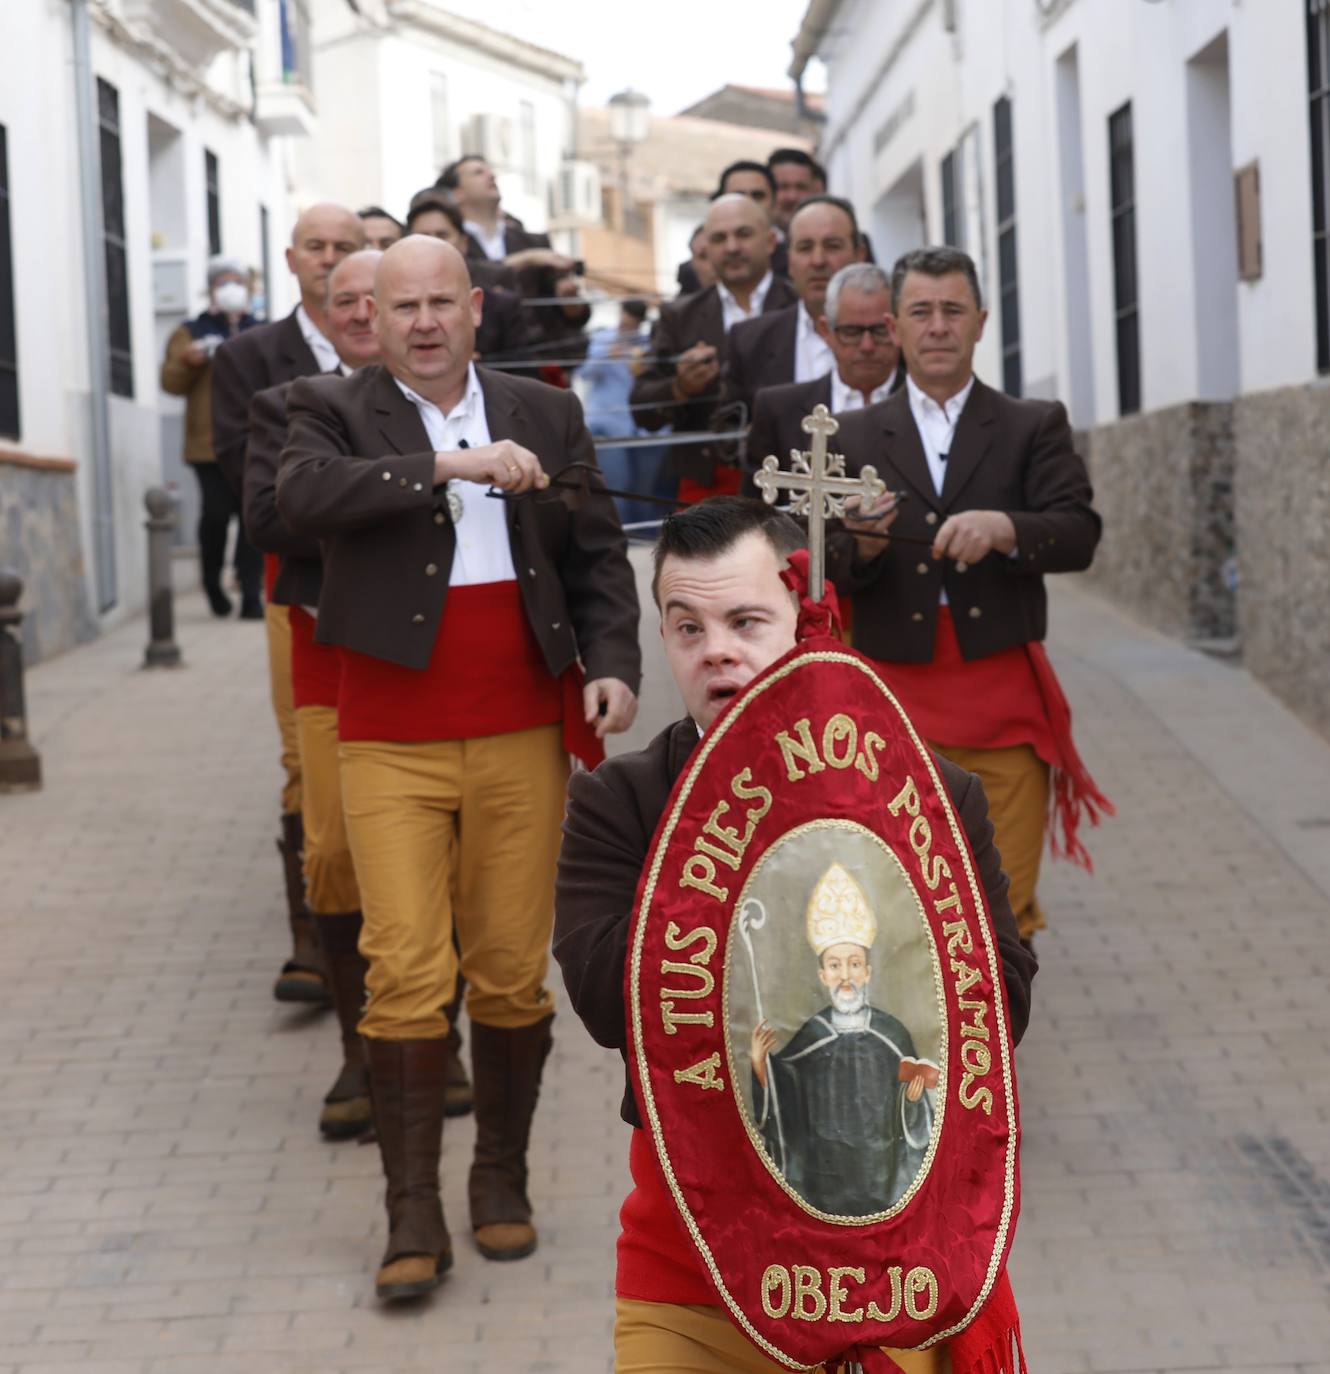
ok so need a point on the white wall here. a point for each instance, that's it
(903, 92)
(37, 107)
(376, 143)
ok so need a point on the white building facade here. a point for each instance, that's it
(1145, 187)
(416, 87)
(1191, 91)
(177, 147)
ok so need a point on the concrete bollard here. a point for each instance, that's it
(162, 651)
(20, 764)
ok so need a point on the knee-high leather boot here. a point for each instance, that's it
(508, 1066)
(346, 1109)
(304, 975)
(406, 1087)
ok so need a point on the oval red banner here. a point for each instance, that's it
(818, 1032)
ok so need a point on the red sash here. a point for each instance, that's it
(486, 676)
(316, 669)
(272, 565)
(1008, 698)
(657, 1263)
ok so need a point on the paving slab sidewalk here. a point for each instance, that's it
(166, 1205)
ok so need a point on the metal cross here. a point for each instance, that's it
(818, 487)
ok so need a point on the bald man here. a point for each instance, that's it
(683, 386)
(297, 346)
(469, 602)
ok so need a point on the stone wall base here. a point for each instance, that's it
(41, 540)
(1163, 483)
(1217, 527)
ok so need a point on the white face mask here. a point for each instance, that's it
(232, 298)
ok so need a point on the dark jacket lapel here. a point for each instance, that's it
(905, 449)
(399, 420)
(974, 433)
(781, 347)
(708, 320)
(297, 353)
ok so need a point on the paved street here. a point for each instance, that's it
(166, 1206)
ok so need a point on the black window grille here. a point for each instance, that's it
(1318, 97)
(265, 258)
(212, 180)
(951, 229)
(1126, 295)
(1008, 279)
(9, 412)
(113, 239)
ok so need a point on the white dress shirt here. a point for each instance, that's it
(730, 309)
(813, 357)
(494, 244)
(324, 353)
(844, 397)
(937, 426)
(483, 551)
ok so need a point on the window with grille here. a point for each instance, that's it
(1318, 96)
(211, 180)
(113, 240)
(1008, 280)
(951, 199)
(9, 412)
(1126, 293)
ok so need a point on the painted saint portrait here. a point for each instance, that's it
(834, 1024)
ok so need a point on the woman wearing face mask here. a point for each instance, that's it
(186, 372)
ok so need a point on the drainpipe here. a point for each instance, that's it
(97, 311)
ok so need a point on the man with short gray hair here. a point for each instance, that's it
(997, 490)
(856, 330)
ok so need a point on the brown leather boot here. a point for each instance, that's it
(406, 1086)
(304, 976)
(507, 1065)
(459, 1085)
(346, 1113)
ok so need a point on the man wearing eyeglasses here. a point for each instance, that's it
(854, 326)
(464, 623)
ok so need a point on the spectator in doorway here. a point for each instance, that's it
(187, 372)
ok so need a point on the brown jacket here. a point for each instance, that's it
(300, 576)
(610, 822)
(776, 424)
(692, 320)
(357, 473)
(182, 378)
(1008, 455)
(761, 353)
(250, 363)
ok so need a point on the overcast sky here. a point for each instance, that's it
(675, 51)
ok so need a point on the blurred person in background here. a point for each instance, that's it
(187, 372)
(382, 230)
(607, 379)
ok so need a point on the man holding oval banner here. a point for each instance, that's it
(821, 1176)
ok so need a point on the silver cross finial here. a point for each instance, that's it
(818, 488)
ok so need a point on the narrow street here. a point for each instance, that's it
(166, 1205)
